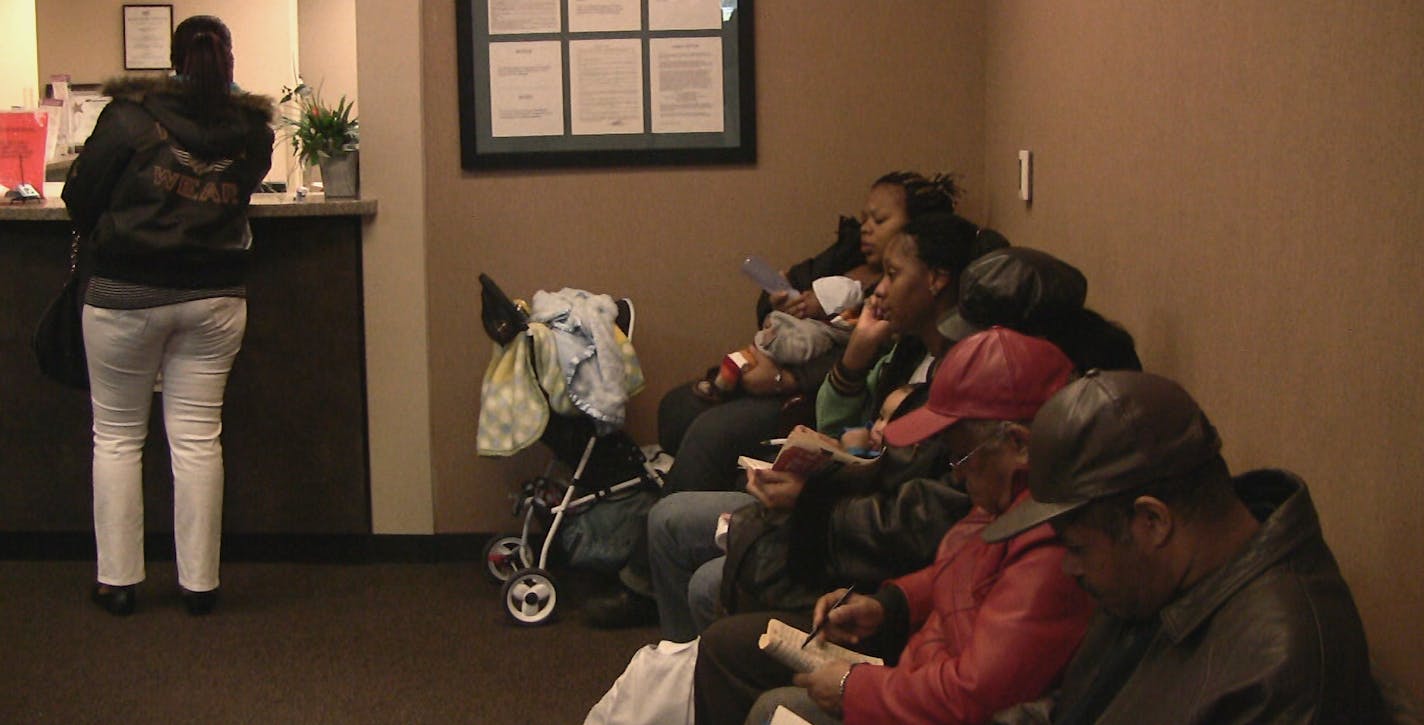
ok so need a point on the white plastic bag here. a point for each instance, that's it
(655, 689)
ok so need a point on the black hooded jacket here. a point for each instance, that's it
(162, 189)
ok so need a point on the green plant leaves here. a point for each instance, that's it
(319, 131)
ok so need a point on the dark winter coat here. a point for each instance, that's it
(162, 189)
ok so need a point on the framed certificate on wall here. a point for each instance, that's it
(550, 83)
(148, 36)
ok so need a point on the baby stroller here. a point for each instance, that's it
(604, 468)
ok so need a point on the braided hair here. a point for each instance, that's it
(924, 194)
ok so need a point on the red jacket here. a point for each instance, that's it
(993, 625)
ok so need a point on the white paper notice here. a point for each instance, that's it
(596, 16)
(686, 85)
(684, 14)
(146, 36)
(84, 110)
(606, 86)
(508, 17)
(526, 89)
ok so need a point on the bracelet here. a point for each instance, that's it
(845, 677)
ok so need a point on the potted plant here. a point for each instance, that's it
(324, 136)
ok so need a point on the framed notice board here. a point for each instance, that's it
(569, 83)
(148, 35)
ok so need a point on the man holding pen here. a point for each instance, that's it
(983, 627)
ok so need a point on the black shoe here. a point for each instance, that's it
(621, 610)
(200, 603)
(116, 600)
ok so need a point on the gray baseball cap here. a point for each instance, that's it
(1105, 433)
(1016, 287)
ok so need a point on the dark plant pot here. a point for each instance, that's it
(340, 176)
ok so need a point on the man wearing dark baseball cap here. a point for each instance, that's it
(983, 626)
(1015, 287)
(1220, 601)
(1038, 294)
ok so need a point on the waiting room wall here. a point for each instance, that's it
(846, 90)
(1240, 183)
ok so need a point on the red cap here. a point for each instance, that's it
(997, 374)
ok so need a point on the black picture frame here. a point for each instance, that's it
(481, 149)
(146, 47)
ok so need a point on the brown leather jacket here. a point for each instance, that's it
(1272, 637)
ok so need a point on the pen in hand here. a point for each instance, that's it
(817, 628)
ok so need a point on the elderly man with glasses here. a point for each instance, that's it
(982, 627)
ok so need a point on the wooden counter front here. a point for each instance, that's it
(294, 426)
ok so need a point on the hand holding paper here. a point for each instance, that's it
(776, 490)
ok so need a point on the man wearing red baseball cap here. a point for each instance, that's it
(984, 626)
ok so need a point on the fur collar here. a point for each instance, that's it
(135, 88)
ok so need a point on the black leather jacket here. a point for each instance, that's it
(1272, 637)
(859, 526)
(162, 191)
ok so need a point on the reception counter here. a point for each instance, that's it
(294, 431)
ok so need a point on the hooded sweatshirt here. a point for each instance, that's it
(162, 188)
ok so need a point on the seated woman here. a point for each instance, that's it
(706, 439)
(922, 270)
(1015, 287)
(983, 627)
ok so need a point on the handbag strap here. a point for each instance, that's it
(73, 252)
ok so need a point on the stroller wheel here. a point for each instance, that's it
(506, 555)
(529, 596)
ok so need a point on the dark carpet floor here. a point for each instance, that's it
(299, 643)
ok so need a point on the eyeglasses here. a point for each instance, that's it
(955, 465)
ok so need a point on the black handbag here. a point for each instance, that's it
(59, 338)
(503, 320)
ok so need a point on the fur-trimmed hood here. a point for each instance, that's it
(136, 88)
(206, 136)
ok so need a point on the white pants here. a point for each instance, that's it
(193, 345)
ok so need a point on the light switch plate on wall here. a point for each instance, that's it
(1025, 175)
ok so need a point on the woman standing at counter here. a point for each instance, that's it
(161, 189)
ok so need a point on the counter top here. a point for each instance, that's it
(51, 208)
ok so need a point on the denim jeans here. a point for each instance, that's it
(705, 440)
(704, 594)
(192, 344)
(680, 531)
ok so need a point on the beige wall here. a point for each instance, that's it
(1240, 183)
(19, 61)
(398, 398)
(85, 39)
(326, 31)
(844, 95)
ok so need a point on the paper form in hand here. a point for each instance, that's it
(783, 642)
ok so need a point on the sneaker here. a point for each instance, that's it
(620, 611)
